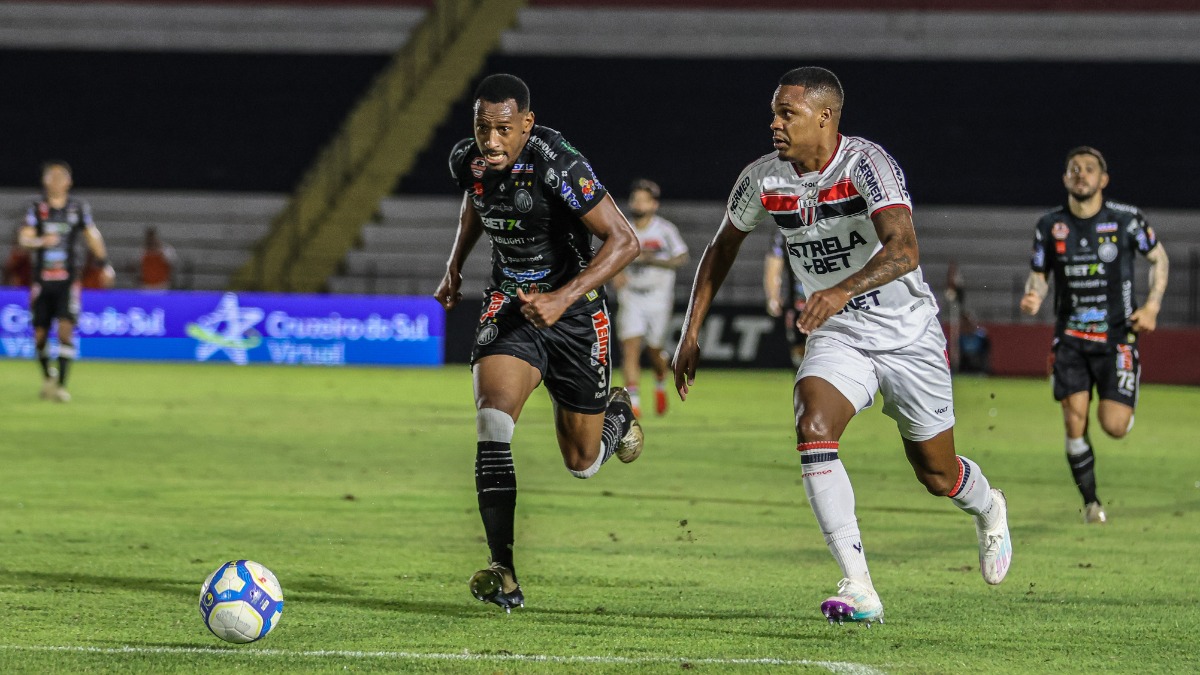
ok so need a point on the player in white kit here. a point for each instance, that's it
(842, 204)
(646, 293)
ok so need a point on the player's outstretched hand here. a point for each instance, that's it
(821, 305)
(1031, 303)
(541, 309)
(448, 293)
(1145, 319)
(687, 356)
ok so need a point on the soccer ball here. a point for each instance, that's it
(241, 601)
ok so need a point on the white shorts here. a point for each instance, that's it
(914, 380)
(644, 315)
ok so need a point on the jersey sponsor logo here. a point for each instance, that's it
(524, 275)
(1059, 231)
(831, 254)
(522, 168)
(43, 210)
(1039, 257)
(862, 303)
(600, 325)
(495, 303)
(552, 177)
(523, 201)
(478, 166)
(1108, 251)
(568, 196)
(509, 287)
(502, 224)
(1124, 357)
(866, 175)
(1101, 228)
(512, 241)
(741, 196)
(544, 148)
(587, 187)
(1086, 270)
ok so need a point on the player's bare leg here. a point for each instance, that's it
(947, 474)
(1080, 456)
(658, 359)
(822, 413)
(66, 354)
(1115, 418)
(41, 343)
(631, 370)
(502, 386)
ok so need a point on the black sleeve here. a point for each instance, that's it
(458, 157)
(1040, 261)
(573, 181)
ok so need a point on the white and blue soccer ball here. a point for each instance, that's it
(241, 601)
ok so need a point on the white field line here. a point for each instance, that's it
(831, 666)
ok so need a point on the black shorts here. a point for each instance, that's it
(572, 355)
(1115, 372)
(53, 300)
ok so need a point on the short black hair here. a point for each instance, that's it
(1087, 150)
(50, 163)
(815, 79)
(501, 87)
(648, 185)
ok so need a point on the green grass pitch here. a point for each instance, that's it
(356, 488)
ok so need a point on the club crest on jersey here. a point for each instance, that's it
(487, 333)
(477, 167)
(1108, 251)
(1060, 231)
(523, 201)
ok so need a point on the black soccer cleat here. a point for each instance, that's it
(498, 585)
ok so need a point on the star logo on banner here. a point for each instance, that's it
(229, 328)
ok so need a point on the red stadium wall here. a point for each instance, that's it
(1169, 355)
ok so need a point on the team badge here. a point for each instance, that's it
(477, 167)
(1060, 231)
(587, 187)
(487, 333)
(523, 201)
(1108, 251)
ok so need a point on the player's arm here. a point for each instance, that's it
(470, 228)
(619, 248)
(28, 238)
(1145, 318)
(1036, 288)
(772, 280)
(95, 244)
(898, 257)
(710, 274)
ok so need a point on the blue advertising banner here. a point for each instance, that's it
(241, 328)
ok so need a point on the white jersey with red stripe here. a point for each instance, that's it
(825, 216)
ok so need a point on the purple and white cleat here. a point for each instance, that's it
(855, 601)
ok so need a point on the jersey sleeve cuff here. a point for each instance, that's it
(893, 205)
(738, 223)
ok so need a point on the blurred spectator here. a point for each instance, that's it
(974, 347)
(18, 268)
(95, 274)
(158, 262)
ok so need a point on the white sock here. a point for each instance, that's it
(972, 493)
(832, 498)
(1078, 446)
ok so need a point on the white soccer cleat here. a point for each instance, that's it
(61, 395)
(855, 601)
(629, 448)
(995, 544)
(1094, 513)
(49, 388)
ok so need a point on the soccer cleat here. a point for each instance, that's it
(61, 395)
(498, 585)
(49, 388)
(660, 401)
(630, 447)
(1094, 513)
(855, 601)
(995, 544)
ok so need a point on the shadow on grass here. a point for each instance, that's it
(72, 582)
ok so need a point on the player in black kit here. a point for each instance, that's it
(544, 317)
(1088, 246)
(53, 224)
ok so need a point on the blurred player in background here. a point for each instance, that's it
(646, 291)
(53, 226)
(872, 323)
(544, 317)
(1089, 247)
(785, 294)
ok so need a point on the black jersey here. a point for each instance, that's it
(532, 213)
(1092, 263)
(58, 262)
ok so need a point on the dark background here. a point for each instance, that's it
(965, 132)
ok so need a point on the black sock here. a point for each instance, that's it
(1083, 467)
(496, 488)
(45, 361)
(62, 371)
(617, 420)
